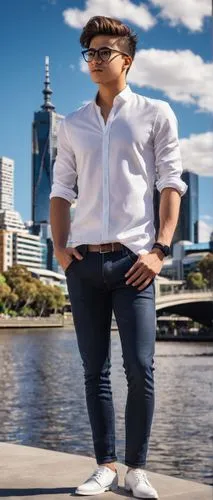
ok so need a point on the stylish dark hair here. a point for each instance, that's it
(101, 25)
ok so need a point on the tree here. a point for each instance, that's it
(7, 297)
(206, 268)
(2, 279)
(60, 300)
(28, 295)
(11, 300)
(17, 273)
(44, 300)
(26, 292)
(4, 293)
(195, 281)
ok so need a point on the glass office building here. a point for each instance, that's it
(187, 228)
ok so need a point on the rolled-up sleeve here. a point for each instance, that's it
(64, 168)
(167, 150)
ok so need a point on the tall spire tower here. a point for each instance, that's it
(44, 149)
(47, 106)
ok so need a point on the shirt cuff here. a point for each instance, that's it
(177, 184)
(66, 195)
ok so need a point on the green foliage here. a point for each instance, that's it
(12, 313)
(28, 296)
(196, 281)
(27, 311)
(206, 268)
(4, 291)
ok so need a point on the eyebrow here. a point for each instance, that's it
(103, 47)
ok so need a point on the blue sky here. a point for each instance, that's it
(173, 62)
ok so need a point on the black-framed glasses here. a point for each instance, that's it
(104, 53)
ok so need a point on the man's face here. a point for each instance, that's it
(107, 71)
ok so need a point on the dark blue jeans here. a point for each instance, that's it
(97, 287)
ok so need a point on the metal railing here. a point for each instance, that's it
(185, 291)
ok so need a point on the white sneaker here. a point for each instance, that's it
(103, 479)
(136, 480)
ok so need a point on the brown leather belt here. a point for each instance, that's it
(105, 247)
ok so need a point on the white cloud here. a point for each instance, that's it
(205, 231)
(181, 75)
(83, 66)
(121, 9)
(196, 153)
(190, 13)
(207, 217)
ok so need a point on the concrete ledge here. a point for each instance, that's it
(31, 473)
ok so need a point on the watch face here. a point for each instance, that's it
(166, 250)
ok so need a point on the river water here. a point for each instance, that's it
(42, 401)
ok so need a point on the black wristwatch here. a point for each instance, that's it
(164, 248)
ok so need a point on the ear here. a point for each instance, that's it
(127, 62)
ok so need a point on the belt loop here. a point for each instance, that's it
(83, 249)
(125, 250)
(113, 249)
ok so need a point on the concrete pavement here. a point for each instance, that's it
(35, 473)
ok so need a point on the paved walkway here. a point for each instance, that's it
(34, 473)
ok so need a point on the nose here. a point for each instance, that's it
(97, 58)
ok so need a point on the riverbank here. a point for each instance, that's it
(46, 474)
(53, 321)
(60, 321)
(185, 338)
(38, 322)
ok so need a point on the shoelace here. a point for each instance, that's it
(141, 475)
(98, 474)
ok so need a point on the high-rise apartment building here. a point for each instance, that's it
(44, 135)
(28, 250)
(6, 183)
(17, 245)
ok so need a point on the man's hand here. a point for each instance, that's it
(145, 269)
(65, 256)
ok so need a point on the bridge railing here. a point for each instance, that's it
(188, 291)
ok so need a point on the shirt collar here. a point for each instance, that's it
(124, 95)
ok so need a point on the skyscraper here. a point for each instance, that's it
(187, 228)
(44, 135)
(6, 183)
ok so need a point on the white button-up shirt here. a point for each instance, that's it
(116, 166)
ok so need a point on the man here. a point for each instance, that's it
(115, 149)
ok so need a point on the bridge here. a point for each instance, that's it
(194, 304)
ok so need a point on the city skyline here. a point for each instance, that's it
(183, 43)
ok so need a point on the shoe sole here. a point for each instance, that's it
(112, 487)
(128, 488)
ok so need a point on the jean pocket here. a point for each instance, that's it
(132, 256)
(69, 267)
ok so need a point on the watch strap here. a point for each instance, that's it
(164, 248)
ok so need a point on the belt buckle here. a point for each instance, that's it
(107, 251)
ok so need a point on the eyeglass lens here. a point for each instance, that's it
(104, 54)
